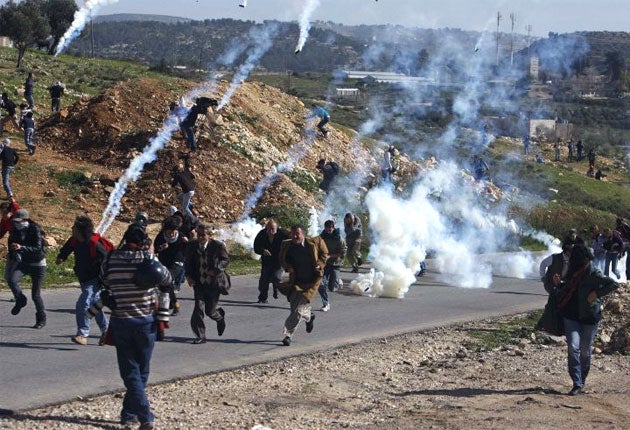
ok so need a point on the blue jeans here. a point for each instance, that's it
(30, 99)
(611, 260)
(56, 104)
(580, 344)
(6, 172)
(134, 347)
(28, 138)
(89, 294)
(189, 134)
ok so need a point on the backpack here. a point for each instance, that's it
(107, 244)
(335, 167)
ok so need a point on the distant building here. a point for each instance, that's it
(5, 42)
(386, 77)
(348, 92)
(550, 129)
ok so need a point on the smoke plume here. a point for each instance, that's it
(305, 23)
(81, 18)
(263, 40)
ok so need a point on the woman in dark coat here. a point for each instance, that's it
(579, 303)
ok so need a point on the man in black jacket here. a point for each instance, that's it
(206, 260)
(27, 256)
(170, 248)
(9, 159)
(267, 244)
(185, 178)
(89, 254)
(56, 91)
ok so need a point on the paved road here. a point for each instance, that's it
(41, 367)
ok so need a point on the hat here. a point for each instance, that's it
(20, 214)
(135, 234)
(172, 210)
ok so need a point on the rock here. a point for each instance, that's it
(615, 307)
(50, 241)
(597, 350)
(604, 338)
(49, 193)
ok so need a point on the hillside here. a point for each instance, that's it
(259, 126)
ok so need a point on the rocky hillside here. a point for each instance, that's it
(255, 132)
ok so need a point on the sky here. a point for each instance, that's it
(560, 16)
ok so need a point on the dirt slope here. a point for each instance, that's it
(257, 129)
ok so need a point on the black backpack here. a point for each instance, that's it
(335, 167)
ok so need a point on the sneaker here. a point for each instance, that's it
(146, 426)
(575, 390)
(359, 261)
(129, 421)
(20, 302)
(101, 340)
(263, 302)
(82, 340)
(326, 307)
(355, 270)
(275, 294)
(310, 324)
(175, 312)
(199, 341)
(286, 341)
(39, 324)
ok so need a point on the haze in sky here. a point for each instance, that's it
(561, 16)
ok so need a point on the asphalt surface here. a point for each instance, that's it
(42, 367)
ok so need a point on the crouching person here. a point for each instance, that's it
(133, 281)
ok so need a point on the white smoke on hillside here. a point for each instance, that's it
(81, 18)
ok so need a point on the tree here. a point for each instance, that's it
(24, 23)
(60, 14)
(616, 64)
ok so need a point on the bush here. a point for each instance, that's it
(285, 215)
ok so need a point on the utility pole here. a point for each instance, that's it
(512, 19)
(92, 33)
(529, 35)
(498, 21)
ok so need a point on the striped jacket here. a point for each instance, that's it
(132, 301)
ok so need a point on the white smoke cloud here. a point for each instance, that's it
(81, 18)
(262, 37)
(305, 23)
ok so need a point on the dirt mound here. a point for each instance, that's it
(255, 132)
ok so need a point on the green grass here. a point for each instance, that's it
(304, 179)
(57, 275)
(71, 180)
(243, 265)
(80, 75)
(503, 334)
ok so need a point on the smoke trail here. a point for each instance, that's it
(263, 37)
(305, 23)
(313, 222)
(149, 154)
(81, 17)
